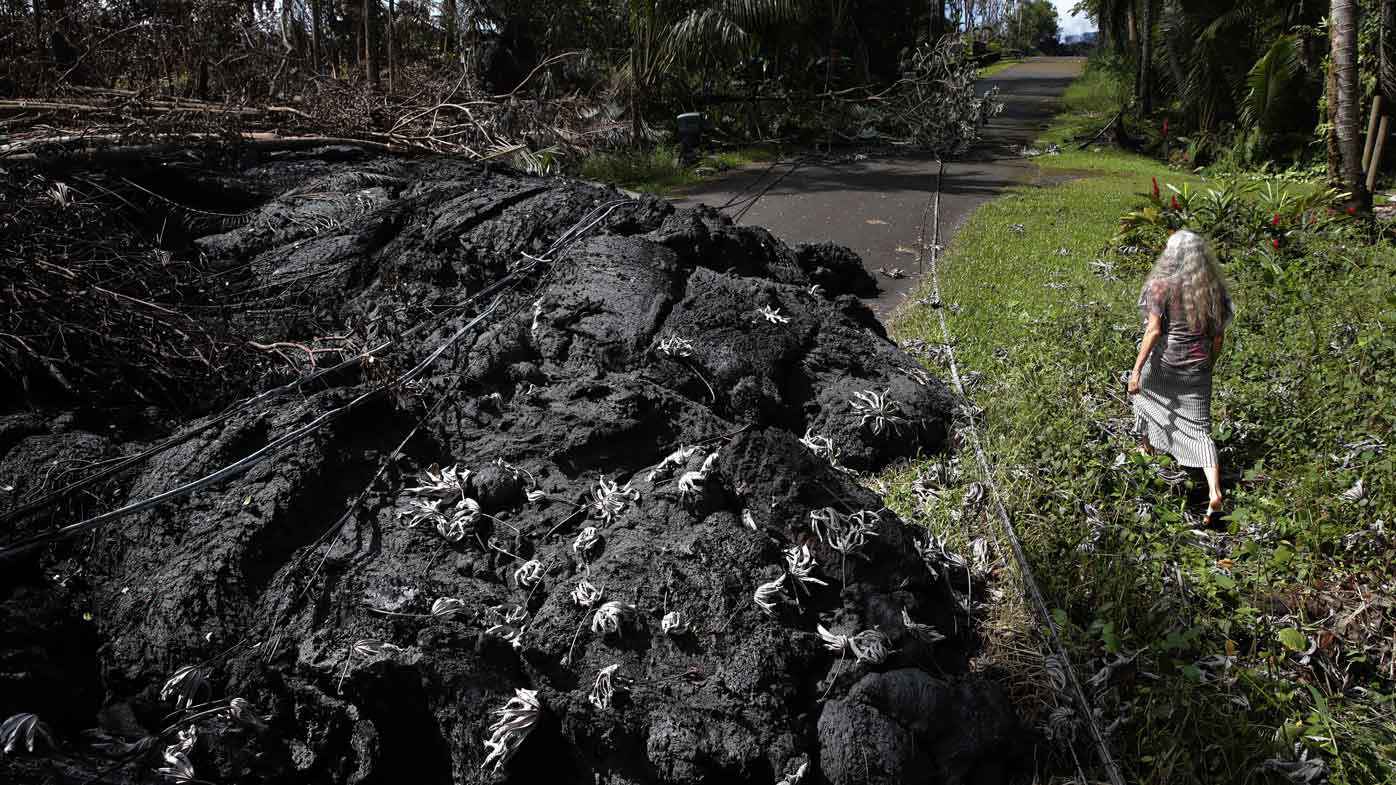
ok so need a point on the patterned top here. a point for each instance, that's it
(1181, 347)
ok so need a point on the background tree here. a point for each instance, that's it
(1346, 115)
(1033, 25)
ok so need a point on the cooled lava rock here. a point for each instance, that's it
(651, 403)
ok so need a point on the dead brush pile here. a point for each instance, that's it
(434, 112)
(95, 309)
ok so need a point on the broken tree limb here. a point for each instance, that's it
(1101, 132)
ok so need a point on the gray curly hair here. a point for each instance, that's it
(1188, 268)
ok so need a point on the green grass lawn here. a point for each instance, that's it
(1228, 648)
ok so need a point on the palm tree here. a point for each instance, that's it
(1343, 29)
(370, 54)
(725, 32)
(1386, 66)
(1146, 58)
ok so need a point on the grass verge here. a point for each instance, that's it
(1212, 657)
(660, 171)
(996, 67)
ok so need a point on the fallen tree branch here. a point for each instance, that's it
(1102, 131)
(109, 146)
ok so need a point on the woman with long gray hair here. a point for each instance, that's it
(1186, 310)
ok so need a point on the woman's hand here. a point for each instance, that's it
(1152, 332)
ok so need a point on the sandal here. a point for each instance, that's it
(1213, 518)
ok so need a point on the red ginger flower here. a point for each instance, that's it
(1155, 181)
(1275, 220)
(1173, 202)
(1275, 241)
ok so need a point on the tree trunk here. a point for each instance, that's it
(370, 53)
(392, 56)
(39, 28)
(448, 24)
(1386, 63)
(1146, 59)
(286, 22)
(1330, 86)
(637, 125)
(315, 35)
(1343, 24)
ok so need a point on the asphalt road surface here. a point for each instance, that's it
(876, 205)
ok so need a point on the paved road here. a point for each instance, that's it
(875, 205)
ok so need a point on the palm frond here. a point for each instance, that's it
(729, 30)
(710, 32)
(1268, 79)
(764, 13)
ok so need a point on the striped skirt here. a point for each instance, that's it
(1175, 411)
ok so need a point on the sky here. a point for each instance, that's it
(1068, 24)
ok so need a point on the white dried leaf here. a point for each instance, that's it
(845, 534)
(878, 411)
(611, 618)
(23, 731)
(1303, 770)
(800, 566)
(603, 689)
(921, 632)
(768, 594)
(1356, 493)
(447, 483)
(586, 542)
(461, 520)
(177, 767)
(509, 633)
(937, 557)
(446, 606)
(609, 499)
(675, 346)
(869, 646)
(1061, 724)
(585, 594)
(691, 484)
(794, 777)
(671, 462)
(186, 686)
(821, 446)
(530, 574)
(772, 315)
(674, 623)
(243, 712)
(369, 648)
(509, 612)
(516, 719)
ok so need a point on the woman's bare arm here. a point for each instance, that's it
(1146, 347)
